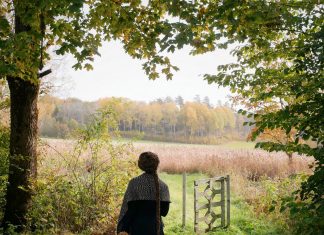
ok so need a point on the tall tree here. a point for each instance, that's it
(179, 101)
(206, 101)
(197, 98)
(277, 135)
(280, 59)
(29, 28)
(168, 99)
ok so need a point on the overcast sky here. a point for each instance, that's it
(117, 74)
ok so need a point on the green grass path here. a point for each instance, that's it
(243, 220)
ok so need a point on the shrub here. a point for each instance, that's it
(279, 200)
(81, 190)
(4, 163)
(304, 217)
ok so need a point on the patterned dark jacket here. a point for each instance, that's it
(138, 211)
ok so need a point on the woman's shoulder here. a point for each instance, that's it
(146, 177)
(165, 194)
(135, 179)
(139, 179)
(163, 184)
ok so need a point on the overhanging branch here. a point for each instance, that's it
(43, 74)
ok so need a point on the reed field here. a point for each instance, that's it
(249, 168)
(238, 158)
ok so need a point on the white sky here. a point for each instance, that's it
(117, 74)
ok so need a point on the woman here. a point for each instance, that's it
(145, 201)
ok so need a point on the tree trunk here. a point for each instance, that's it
(23, 150)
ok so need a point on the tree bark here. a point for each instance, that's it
(23, 151)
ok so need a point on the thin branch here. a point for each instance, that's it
(45, 73)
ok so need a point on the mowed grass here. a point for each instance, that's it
(243, 220)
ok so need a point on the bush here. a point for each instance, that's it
(4, 164)
(279, 199)
(81, 190)
(304, 217)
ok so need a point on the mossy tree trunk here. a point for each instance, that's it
(23, 150)
(23, 145)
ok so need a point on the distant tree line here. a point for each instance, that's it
(163, 119)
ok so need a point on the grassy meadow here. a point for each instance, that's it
(258, 180)
(243, 219)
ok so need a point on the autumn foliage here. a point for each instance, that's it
(163, 119)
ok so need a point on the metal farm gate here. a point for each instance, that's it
(214, 190)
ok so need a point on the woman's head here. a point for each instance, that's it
(148, 162)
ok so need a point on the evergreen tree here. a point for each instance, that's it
(179, 101)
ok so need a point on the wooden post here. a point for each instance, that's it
(210, 203)
(222, 203)
(196, 206)
(228, 201)
(184, 193)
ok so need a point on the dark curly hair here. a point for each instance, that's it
(149, 163)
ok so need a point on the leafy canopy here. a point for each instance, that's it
(279, 47)
(30, 29)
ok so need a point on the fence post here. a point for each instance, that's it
(222, 203)
(184, 193)
(228, 201)
(196, 206)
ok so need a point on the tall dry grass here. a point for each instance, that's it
(257, 176)
(217, 160)
(212, 160)
(250, 169)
